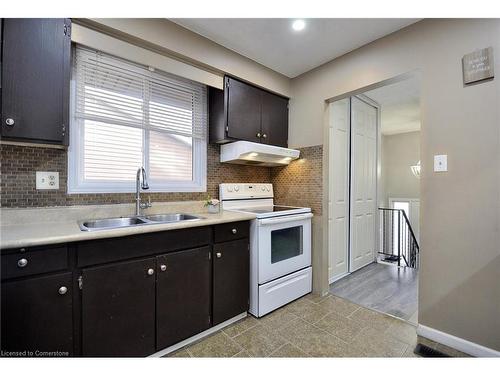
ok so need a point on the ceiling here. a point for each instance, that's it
(400, 106)
(273, 43)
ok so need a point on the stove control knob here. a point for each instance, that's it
(263, 188)
(230, 188)
(268, 188)
(236, 188)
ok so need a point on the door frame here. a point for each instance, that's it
(321, 257)
(391, 201)
(374, 104)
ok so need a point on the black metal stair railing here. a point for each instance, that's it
(397, 239)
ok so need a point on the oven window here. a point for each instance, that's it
(286, 243)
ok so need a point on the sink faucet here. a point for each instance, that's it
(138, 186)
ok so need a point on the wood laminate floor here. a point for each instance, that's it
(386, 288)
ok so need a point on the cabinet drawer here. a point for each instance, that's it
(122, 248)
(34, 261)
(231, 231)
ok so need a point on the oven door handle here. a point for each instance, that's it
(285, 219)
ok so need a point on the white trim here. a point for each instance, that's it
(455, 342)
(77, 185)
(392, 200)
(201, 335)
(332, 279)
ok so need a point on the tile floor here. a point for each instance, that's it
(314, 326)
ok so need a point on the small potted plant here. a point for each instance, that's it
(212, 205)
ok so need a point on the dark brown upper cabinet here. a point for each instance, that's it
(245, 112)
(274, 122)
(36, 56)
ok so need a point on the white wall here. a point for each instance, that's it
(399, 152)
(459, 290)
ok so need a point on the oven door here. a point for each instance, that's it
(284, 245)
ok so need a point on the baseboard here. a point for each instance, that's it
(331, 280)
(457, 343)
(200, 335)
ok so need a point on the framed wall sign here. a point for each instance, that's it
(478, 65)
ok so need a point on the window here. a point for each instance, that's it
(125, 116)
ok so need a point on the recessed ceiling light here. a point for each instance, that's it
(298, 25)
(253, 154)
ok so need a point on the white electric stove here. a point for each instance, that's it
(280, 246)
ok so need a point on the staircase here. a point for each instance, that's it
(397, 239)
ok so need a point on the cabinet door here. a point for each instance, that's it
(274, 119)
(118, 309)
(243, 110)
(37, 314)
(35, 79)
(230, 280)
(182, 295)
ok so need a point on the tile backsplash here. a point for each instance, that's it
(19, 164)
(299, 184)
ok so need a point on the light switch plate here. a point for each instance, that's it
(47, 180)
(440, 163)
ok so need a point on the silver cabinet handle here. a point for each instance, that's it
(258, 135)
(151, 271)
(218, 255)
(63, 290)
(10, 122)
(234, 231)
(163, 267)
(23, 262)
(264, 135)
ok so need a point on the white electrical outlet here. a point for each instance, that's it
(440, 163)
(47, 180)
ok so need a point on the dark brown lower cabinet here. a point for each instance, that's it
(182, 295)
(37, 315)
(123, 297)
(230, 280)
(118, 309)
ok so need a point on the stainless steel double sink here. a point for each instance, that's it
(132, 221)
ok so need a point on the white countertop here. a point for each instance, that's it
(22, 233)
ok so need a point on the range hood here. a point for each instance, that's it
(251, 153)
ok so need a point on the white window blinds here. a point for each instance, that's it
(126, 116)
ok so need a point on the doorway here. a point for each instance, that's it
(411, 207)
(374, 198)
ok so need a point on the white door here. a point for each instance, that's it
(338, 184)
(411, 206)
(363, 183)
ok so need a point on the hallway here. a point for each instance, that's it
(385, 288)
